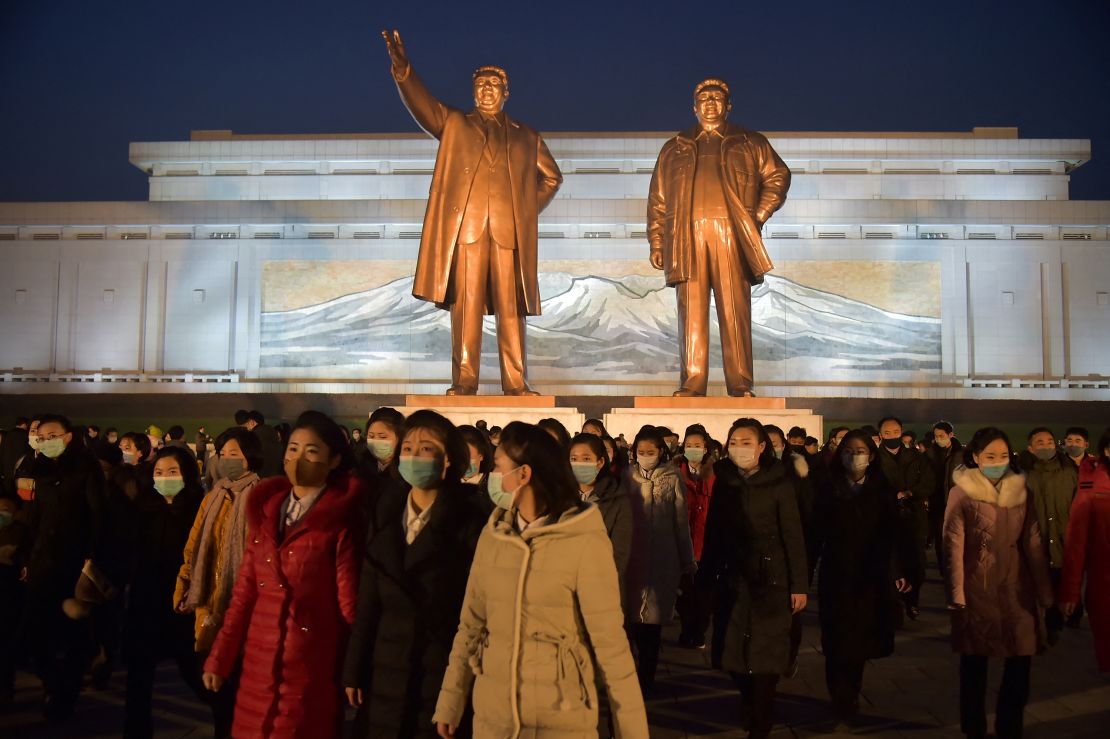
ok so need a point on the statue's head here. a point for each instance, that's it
(491, 89)
(711, 102)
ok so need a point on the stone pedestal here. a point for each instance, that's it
(496, 410)
(715, 414)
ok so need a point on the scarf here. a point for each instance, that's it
(234, 543)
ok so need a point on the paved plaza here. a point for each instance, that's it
(912, 694)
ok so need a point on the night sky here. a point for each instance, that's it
(79, 79)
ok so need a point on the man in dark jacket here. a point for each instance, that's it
(911, 476)
(1052, 479)
(63, 521)
(272, 451)
(12, 449)
(944, 455)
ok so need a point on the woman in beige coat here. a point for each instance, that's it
(542, 609)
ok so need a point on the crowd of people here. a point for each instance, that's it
(456, 581)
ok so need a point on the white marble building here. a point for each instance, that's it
(907, 265)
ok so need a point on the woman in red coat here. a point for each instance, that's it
(294, 600)
(1087, 549)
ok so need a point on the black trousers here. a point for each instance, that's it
(222, 702)
(143, 654)
(795, 638)
(1013, 694)
(693, 610)
(757, 695)
(844, 679)
(646, 638)
(59, 647)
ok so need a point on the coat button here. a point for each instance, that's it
(466, 170)
(267, 560)
(261, 584)
(304, 629)
(290, 552)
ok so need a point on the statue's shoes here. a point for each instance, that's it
(522, 391)
(741, 392)
(685, 393)
(460, 390)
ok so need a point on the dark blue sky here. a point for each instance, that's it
(79, 80)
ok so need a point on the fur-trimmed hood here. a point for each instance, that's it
(1009, 494)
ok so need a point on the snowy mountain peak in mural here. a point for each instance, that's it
(598, 328)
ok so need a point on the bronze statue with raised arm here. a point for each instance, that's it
(713, 188)
(478, 248)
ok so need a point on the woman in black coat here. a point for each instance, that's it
(861, 568)
(164, 509)
(414, 578)
(754, 556)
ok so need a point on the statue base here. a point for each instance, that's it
(716, 414)
(495, 410)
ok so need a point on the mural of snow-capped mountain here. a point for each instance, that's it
(616, 329)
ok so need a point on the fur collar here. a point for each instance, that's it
(801, 466)
(1010, 494)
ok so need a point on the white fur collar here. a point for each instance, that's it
(1009, 494)
(801, 466)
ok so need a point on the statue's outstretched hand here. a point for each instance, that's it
(396, 50)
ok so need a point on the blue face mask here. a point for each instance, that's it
(694, 455)
(472, 470)
(501, 498)
(382, 449)
(420, 472)
(994, 471)
(168, 487)
(585, 472)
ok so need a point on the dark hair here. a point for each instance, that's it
(190, 472)
(651, 435)
(836, 464)
(834, 431)
(944, 426)
(768, 457)
(481, 424)
(55, 418)
(696, 429)
(1103, 442)
(911, 434)
(284, 430)
(241, 417)
(553, 483)
(771, 428)
(1040, 430)
(1078, 431)
(795, 432)
(665, 431)
(494, 430)
(553, 426)
(870, 430)
(884, 419)
(257, 417)
(141, 441)
(598, 423)
(176, 433)
(981, 440)
(92, 427)
(329, 432)
(22, 421)
(811, 440)
(111, 430)
(109, 453)
(596, 445)
(474, 435)
(391, 417)
(249, 445)
(455, 452)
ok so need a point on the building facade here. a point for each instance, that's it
(907, 265)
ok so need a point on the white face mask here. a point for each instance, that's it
(743, 457)
(647, 464)
(856, 462)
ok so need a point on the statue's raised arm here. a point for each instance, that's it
(429, 113)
